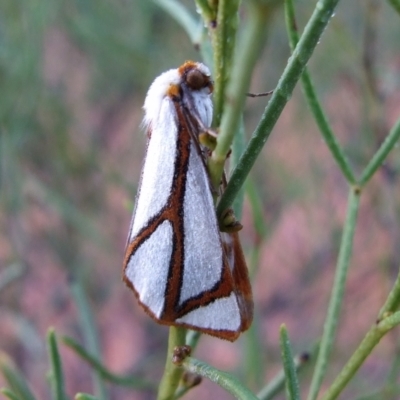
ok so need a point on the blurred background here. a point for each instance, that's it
(73, 77)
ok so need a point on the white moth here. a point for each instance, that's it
(176, 263)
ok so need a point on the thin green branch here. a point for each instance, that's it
(296, 64)
(277, 384)
(207, 12)
(56, 372)
(249, 49)
(292, 383)
(17, 383)
(223, 38)
(392, 302)
(337, 293)
(223, 379)
(379, 157)
(128, 380)
(172, 372)
(365, 348)
(313, 102)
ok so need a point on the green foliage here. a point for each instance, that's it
(52, 139)
(18, 387)
(292, 383)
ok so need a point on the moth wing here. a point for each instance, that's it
(203, 253)
(158, 168)
(147, 269)
(149, 248)
(205, 262)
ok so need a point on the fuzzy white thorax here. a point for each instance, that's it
(159, 90)
(156, 93)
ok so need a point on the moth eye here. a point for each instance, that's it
(196, 80)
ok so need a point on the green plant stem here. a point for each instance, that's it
(393, 300)
(207, 12)
(296, 64)
(57, 377)
(313, 102)
(337, 293)
(391, 305)
(370, 340)
(248, 52)
(223, 379)
(223, 38)
(172, 373)
(14, 379)
(292, 383)
(379, 157)
(277, 384)
(89, 332)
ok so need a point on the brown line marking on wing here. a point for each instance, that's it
(175, 216)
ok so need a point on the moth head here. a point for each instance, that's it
(194, 79)
(196, 88)
(196, 76)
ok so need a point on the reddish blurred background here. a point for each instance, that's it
(73, 80)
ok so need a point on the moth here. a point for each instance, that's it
(183, 271)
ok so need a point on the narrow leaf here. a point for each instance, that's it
(292, 383)
(56, 373)
(17, 383)
(223, 379)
